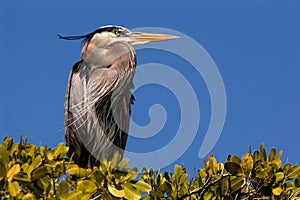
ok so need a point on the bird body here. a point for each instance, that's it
(98, 97)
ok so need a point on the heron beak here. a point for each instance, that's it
(137, 38)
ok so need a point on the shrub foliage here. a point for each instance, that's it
(36, 172)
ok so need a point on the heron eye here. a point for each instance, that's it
(117, 33)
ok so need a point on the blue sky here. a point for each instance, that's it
(256, 46)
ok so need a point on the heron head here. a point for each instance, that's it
(110, 34)
(121, 34)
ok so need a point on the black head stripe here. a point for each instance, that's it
(107, 29)
(90, 35)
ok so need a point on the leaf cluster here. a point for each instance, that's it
(30, 172)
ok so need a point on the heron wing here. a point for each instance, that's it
(76, 149)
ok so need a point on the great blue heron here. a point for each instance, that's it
(98, 98)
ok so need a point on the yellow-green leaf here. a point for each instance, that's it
(61, 149)
(220, 167)
(279, 176)
(224, 187)
(86, 186)
(3, 169)
(286, 167)
(256, 155)
(25, 167)
(293, 172)
(44, 182)
(29, 196)
(35, 163)
(213, 164)
(73, 195)
(133, 175)
(123, 163)
(177, 170)
(22, 178)
(272, 154)
(97, 176)
(183, 178)
(202, 173)
(62, 189)
(116, 159)
(208, 195)
(279, 155)
(262, 153)
(142, 187)
(233, 168)
(85, 196)
(131, 192)
(13, 171)
(73, 169)
(236, 183)
(8, 142)
(277, 191)
(114, 191)
(146, 198)
(39, 173)
(49, 154)
(13, 188)
(235, 159)
(247, 162)
(157, 194)
(4, 156)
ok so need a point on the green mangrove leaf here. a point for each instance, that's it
(277, 191)
(13, 188)
(293, 172)
(116, 192)
(13, 171)
(233, 168)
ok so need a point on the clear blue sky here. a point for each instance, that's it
(256, 46)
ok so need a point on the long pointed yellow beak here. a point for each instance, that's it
(143, 38)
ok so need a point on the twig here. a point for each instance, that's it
(202, 189)
(95, 193)
(295, 193)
